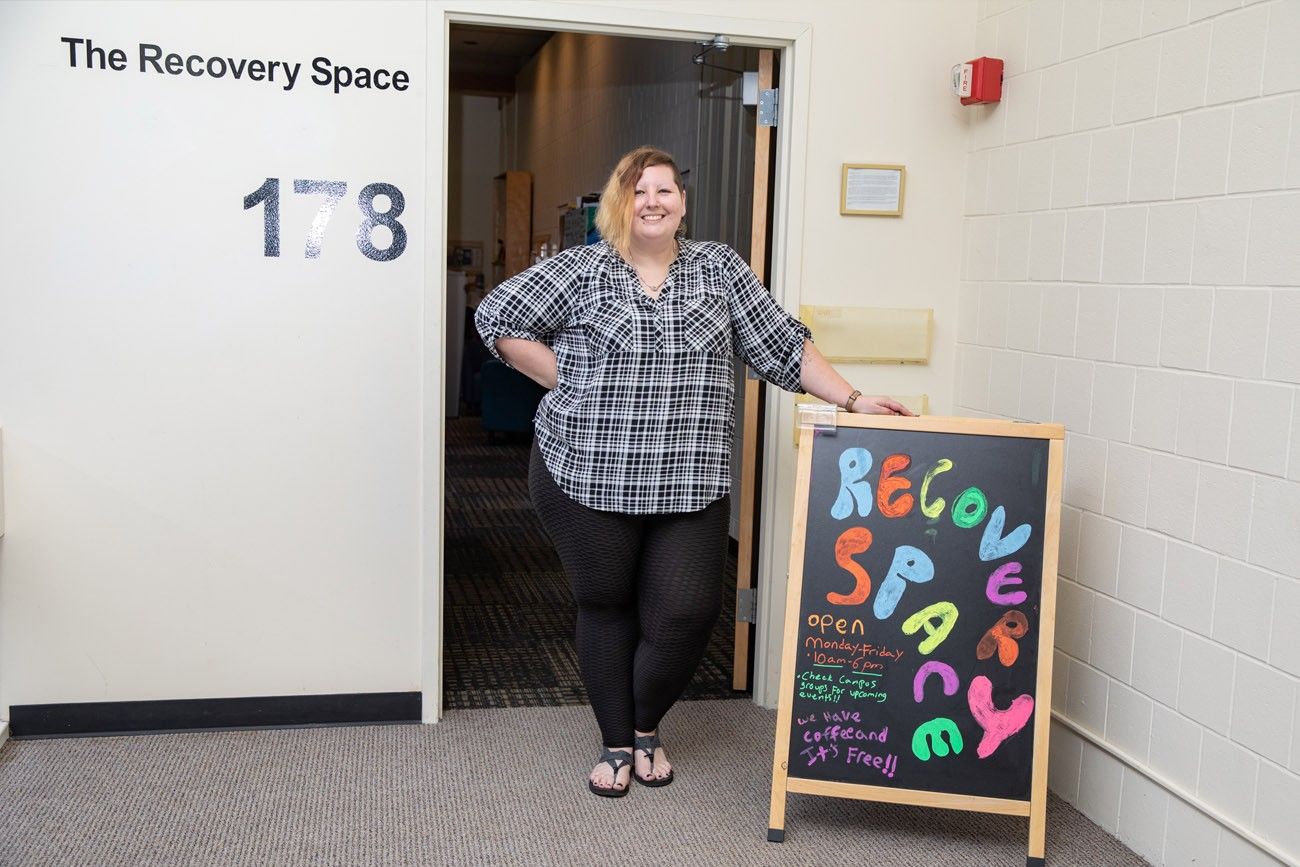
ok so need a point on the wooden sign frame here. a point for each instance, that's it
(1036, 807)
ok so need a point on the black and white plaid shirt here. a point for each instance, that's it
(641, 419)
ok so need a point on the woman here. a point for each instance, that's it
(631, 468)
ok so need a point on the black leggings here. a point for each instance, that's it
(648, 589)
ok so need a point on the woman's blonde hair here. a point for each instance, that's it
(614, 216)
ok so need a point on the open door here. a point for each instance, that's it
(752, 421)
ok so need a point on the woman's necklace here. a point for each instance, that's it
(652, 290)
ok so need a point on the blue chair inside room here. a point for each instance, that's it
(509, 399)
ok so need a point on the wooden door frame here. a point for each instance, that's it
(794, 40)
(753, 404)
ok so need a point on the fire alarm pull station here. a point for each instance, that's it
(978, 80)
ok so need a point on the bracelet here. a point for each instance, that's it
(848, 404)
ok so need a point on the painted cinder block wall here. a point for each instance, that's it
(1131, 268)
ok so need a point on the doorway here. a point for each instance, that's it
(439, 601)
(568, 105)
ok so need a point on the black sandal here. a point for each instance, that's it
(616, 759)
(647, 744)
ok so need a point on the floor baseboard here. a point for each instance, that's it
(83, 719)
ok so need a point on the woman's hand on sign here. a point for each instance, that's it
(821, 380)
(878, 405)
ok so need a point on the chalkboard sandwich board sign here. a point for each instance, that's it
(917, 657)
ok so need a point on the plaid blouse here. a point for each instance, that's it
(641, 419)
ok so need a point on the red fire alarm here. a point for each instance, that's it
(977, 81)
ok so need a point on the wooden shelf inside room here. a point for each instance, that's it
(512, 214)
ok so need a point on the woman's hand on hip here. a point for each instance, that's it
(531, 358)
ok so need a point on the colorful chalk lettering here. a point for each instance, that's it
(1005, 575)
(855, 463)
(849, 687)
(946, 674)
(910, 564)
(836, 732)
(890, 484)
(1001, 638)
(815, 686)
(886, 764)
(998, 725)
(969, 508)
(854, 540)
(842, 716)
(945, 612)
(819, 753)
(995, 546)
(935, 508)
(839, 625)
(928, 740)
(857, 649)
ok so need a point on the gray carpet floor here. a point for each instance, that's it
(496, 786)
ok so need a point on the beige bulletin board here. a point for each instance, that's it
(873, 335)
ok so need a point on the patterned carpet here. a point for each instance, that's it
(508, 632)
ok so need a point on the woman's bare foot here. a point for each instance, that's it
(652, 767)
(603, 776)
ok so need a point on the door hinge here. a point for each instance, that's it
(767, 107)
(746, 605)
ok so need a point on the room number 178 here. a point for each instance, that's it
(268, 195)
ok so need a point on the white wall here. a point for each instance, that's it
(212, 458)
(1131, 269)
(881, 94)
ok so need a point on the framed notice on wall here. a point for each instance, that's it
(916, 665)
(872, 189)
(465, 256)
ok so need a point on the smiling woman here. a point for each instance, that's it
(644, 201)
(634, 337)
